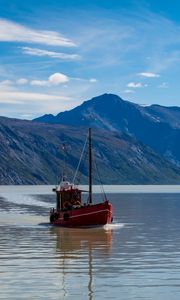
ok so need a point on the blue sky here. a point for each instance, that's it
(55, 54)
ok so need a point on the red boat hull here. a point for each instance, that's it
(89, 215)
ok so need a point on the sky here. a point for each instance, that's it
(55, 54)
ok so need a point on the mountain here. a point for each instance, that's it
(32, 153)
(108, 107)
(156, 126)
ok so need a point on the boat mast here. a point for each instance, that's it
(90, 167)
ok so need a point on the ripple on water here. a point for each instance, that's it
(136, 257)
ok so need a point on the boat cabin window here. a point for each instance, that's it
(66, 196)
(66, 199)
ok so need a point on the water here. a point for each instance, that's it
(137, 257)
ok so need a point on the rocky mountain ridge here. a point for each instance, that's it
(156, 126)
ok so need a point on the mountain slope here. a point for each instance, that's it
(113, 108)
(32, 153)
(155, 126)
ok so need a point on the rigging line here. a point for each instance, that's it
(82, 153)
(101, 185)
(60, 171)
(82, 165)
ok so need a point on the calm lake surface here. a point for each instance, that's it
(137, 257)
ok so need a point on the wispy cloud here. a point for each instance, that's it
(23, 97)
(39, 82)
(17, 103)
(131, 36)
(54, 79)
(5, 83)
(149, 74)
(136, 85)
(163, 85)
(113, 49)
(22, 81)
(59, 55)
(13, 32)
(128, 91)
(93, 80)
(83, 80)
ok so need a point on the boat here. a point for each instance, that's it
(70, 210)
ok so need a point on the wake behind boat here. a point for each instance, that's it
(71, 212)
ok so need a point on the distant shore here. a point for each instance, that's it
(47, 189)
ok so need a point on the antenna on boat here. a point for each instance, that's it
(90, 167)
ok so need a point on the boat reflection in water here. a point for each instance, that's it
(81, 253)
